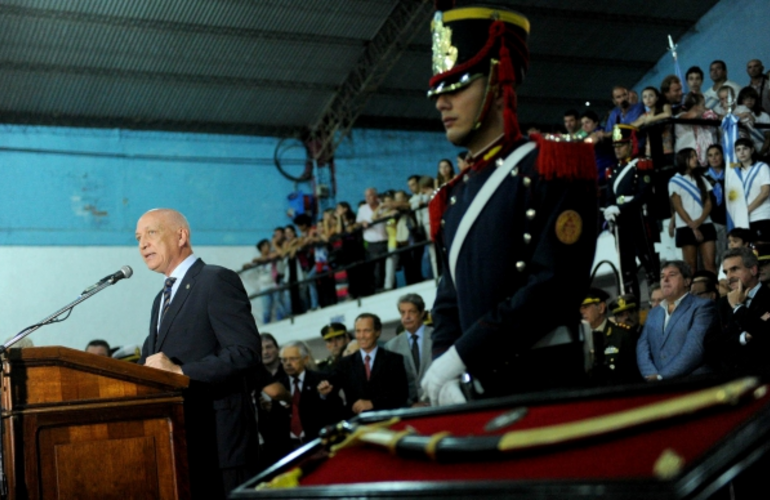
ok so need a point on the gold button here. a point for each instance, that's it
(499, 162)
(531, 213)
(515, 172)
(453, 200)
(466, 177)
(443, 222)
(527, 181)
(520, 266)
(527, 238)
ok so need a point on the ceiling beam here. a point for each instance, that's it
(407, 18)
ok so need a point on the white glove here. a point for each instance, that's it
(445, 368)
(611, 212)
(451, 394)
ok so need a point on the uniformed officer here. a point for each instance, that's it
(336, 337)
(614, 345)
(625, 312)
(762, 250)
(629, 190)
(516, 227)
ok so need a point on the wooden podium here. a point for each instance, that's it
(80, 426)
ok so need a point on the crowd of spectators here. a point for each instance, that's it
(348, 254)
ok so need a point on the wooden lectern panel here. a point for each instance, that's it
(82, 426)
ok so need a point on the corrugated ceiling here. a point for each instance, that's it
(272, 66)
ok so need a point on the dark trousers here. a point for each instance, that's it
(374, 250)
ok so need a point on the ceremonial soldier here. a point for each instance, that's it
(614, 345)
(516, 227)
(629, 190)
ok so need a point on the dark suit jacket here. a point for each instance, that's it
(315, 413)
(209, 331)
(386, 389)
(723, 345)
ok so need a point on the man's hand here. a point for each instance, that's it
(362, 405)
(161, 362)
(737, 296)
(447, 367)
(325, 388)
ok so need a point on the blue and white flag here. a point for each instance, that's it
(735, 197)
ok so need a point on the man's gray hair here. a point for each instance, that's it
(303, 350)
(684, 269)
(414, 299)
(748, 257)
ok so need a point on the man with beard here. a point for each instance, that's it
(742, 344)
(516, 229)
(624, 112)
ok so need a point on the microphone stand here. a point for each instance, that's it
(22, 334)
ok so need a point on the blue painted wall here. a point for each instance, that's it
(734, 31)
(65, 186)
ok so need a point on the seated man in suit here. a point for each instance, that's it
(414, 344)
(671, 344)
(201, 326)
(309, 411)
(742, 343)
(372, 378)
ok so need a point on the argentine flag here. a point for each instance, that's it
(735, 196)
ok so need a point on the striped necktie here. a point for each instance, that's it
(167, 296)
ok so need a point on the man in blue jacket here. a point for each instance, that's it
(671, 344)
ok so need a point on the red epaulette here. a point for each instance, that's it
(560, 159)
(644, 164)
(438, 203)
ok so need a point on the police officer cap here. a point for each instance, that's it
(333, 330)
(762, 250)
(624, 303)
(595, 296)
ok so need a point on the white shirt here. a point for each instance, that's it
(689, 192)
(754, 178)
(371, 355)
(712, 96)
(664, 304)
(374, 233)
(179, 273)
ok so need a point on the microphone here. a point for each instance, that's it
(125, 272)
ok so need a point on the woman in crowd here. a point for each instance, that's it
(755, 176)
(446, 173)
(715, 175)
(696, 137)
(656, 109)
(749, 111)
(695, 233)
